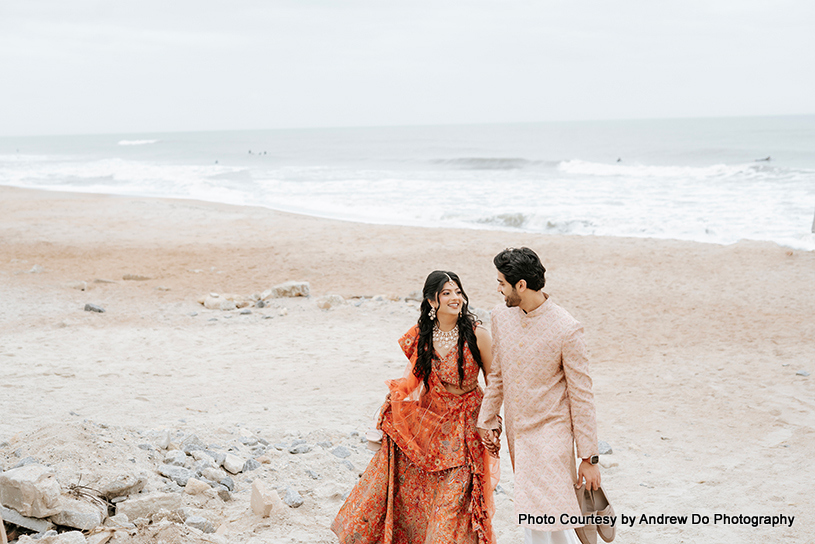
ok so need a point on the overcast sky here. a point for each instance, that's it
(104, 66)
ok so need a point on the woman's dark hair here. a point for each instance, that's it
(521, 264)
(433, 285)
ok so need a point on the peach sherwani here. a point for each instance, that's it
(540, 372)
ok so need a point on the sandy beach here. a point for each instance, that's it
(700, 356)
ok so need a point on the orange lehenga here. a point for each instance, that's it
(432, 481)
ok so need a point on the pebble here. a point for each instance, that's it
(300, 448)
(341, 451)
(325, 444)
(26, 461)
(267, 317)
(250, 464)
(280, 446)
(604, 448)
(175, 457)
(200, 523)
(94, 308)
(292, 498)
(228, 483)
(145, 447)
(348, 464)
(246, 312)
(179, 475)
(313, 475)
(802, 373)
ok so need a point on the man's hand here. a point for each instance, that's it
(490, 440)
(589, 472)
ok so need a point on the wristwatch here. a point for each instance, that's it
(593, 460)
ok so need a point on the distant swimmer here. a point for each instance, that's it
(619, 159)
(767, 158)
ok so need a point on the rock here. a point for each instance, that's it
(348, 464)
(414, 296)
(282, 312)
(266, 294)
(195, 487)
(325, 444)
(134, 277)
(214, 474)
(200, 523)
(179, 475)
(607, 463)
(212, 302)
(341, 451)
(233, 463)
(260, 304)
(248, 440)
(313, 475)
(245, 312)
(94, 308)
(300, 448)
(101, 537)
(176, 458)
(123, 485)
(147, 504)
(119, 521)
(330, 301)
(227, 305)
(14, 517)
(52, 537)
(78, 514)
(250, 464)
(164, 438)
(27, 461)
(218, 456)
(264, 460)
(604, 448)
(192, 443)
(292, 498)
(291, 289)
(264, 501)
(146, 447)
(32, 490)
(36, 269)
(802, 373)
(228, 483)
(223, 492)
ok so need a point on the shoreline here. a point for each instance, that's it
(695, 348)
(794, 244)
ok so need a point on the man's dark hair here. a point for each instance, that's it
(521, 264)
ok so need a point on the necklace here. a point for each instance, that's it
(445, 340)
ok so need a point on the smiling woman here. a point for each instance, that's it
(432, 480)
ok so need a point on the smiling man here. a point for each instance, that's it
(540, 373)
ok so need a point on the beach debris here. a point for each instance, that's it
(102, 280)
(135, 277)
(94, 308)
(32, 490)
(264, 501)
(604, 448)
(330, 301)
(802, 373)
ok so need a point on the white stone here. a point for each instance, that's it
(124, 484)
(100, 538)
(233, 463)
(195, 487)
(330, 301)
(147, 504)
(32, 490)
(227, 305)
(291, 289)
(265, 501)
(78, 514)
(214, 474)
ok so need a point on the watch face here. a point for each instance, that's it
(595, 459)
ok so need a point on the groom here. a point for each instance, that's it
(540, 373)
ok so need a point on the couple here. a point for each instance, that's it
(433, 478)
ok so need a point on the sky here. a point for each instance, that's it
(96, 66)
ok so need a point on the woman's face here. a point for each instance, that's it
(450, 300)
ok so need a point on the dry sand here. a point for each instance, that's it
(695, 350)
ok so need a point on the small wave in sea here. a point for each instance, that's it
(484, 163)
(136, 142)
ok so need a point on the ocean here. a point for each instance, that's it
(708, 180)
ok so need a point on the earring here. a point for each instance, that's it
(432, 313)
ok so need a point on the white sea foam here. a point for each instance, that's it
(136, 142)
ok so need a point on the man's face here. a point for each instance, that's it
(511, 296)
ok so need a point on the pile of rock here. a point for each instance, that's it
(231, 301)
(167, 483)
